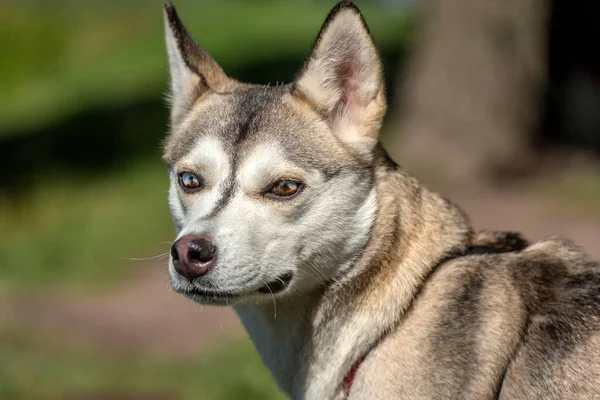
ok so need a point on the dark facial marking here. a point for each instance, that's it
(244, 125)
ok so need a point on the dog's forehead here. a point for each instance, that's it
(254, 116)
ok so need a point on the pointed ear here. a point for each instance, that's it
(342, 78)
(193, 71)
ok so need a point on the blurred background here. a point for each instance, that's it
(495, 104)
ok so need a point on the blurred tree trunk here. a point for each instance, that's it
(471, 97)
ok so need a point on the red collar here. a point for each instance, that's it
(349, 378)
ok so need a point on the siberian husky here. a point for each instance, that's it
(352, 279)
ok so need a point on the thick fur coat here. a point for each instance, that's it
(360, 261)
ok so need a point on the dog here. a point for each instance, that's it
(352, 279)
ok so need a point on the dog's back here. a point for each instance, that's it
(515, 325)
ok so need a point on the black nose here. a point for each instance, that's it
(193, 256)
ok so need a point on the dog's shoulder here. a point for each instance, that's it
(543, 297)
(548, 275)
(507, 320)
(559, 356)
(555, 283)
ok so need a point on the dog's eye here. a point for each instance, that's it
(284, 189)
(189, 181)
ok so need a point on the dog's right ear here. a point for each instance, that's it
(343, 80)
(193, 71)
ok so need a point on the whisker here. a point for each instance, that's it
(321, 277)
(147, 258)
(273, 297)
(316, 277)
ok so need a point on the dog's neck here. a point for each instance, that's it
(311, 341)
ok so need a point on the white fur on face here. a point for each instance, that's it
(213, 165)
(314, 235)
(210, 162)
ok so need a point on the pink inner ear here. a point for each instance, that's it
(346, 74)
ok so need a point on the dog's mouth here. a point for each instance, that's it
(272, 287)
(277, 285)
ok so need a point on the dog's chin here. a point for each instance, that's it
(214, 296)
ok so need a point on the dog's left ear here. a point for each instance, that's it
(342, 78)
(193, 70)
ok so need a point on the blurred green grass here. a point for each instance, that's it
(33, 368)
(73, 230)
(66, 56)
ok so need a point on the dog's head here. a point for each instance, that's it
(271, 188)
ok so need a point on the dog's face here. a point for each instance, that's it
(271, 188)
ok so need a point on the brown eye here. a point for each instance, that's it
(284, 189)
(189, 181)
